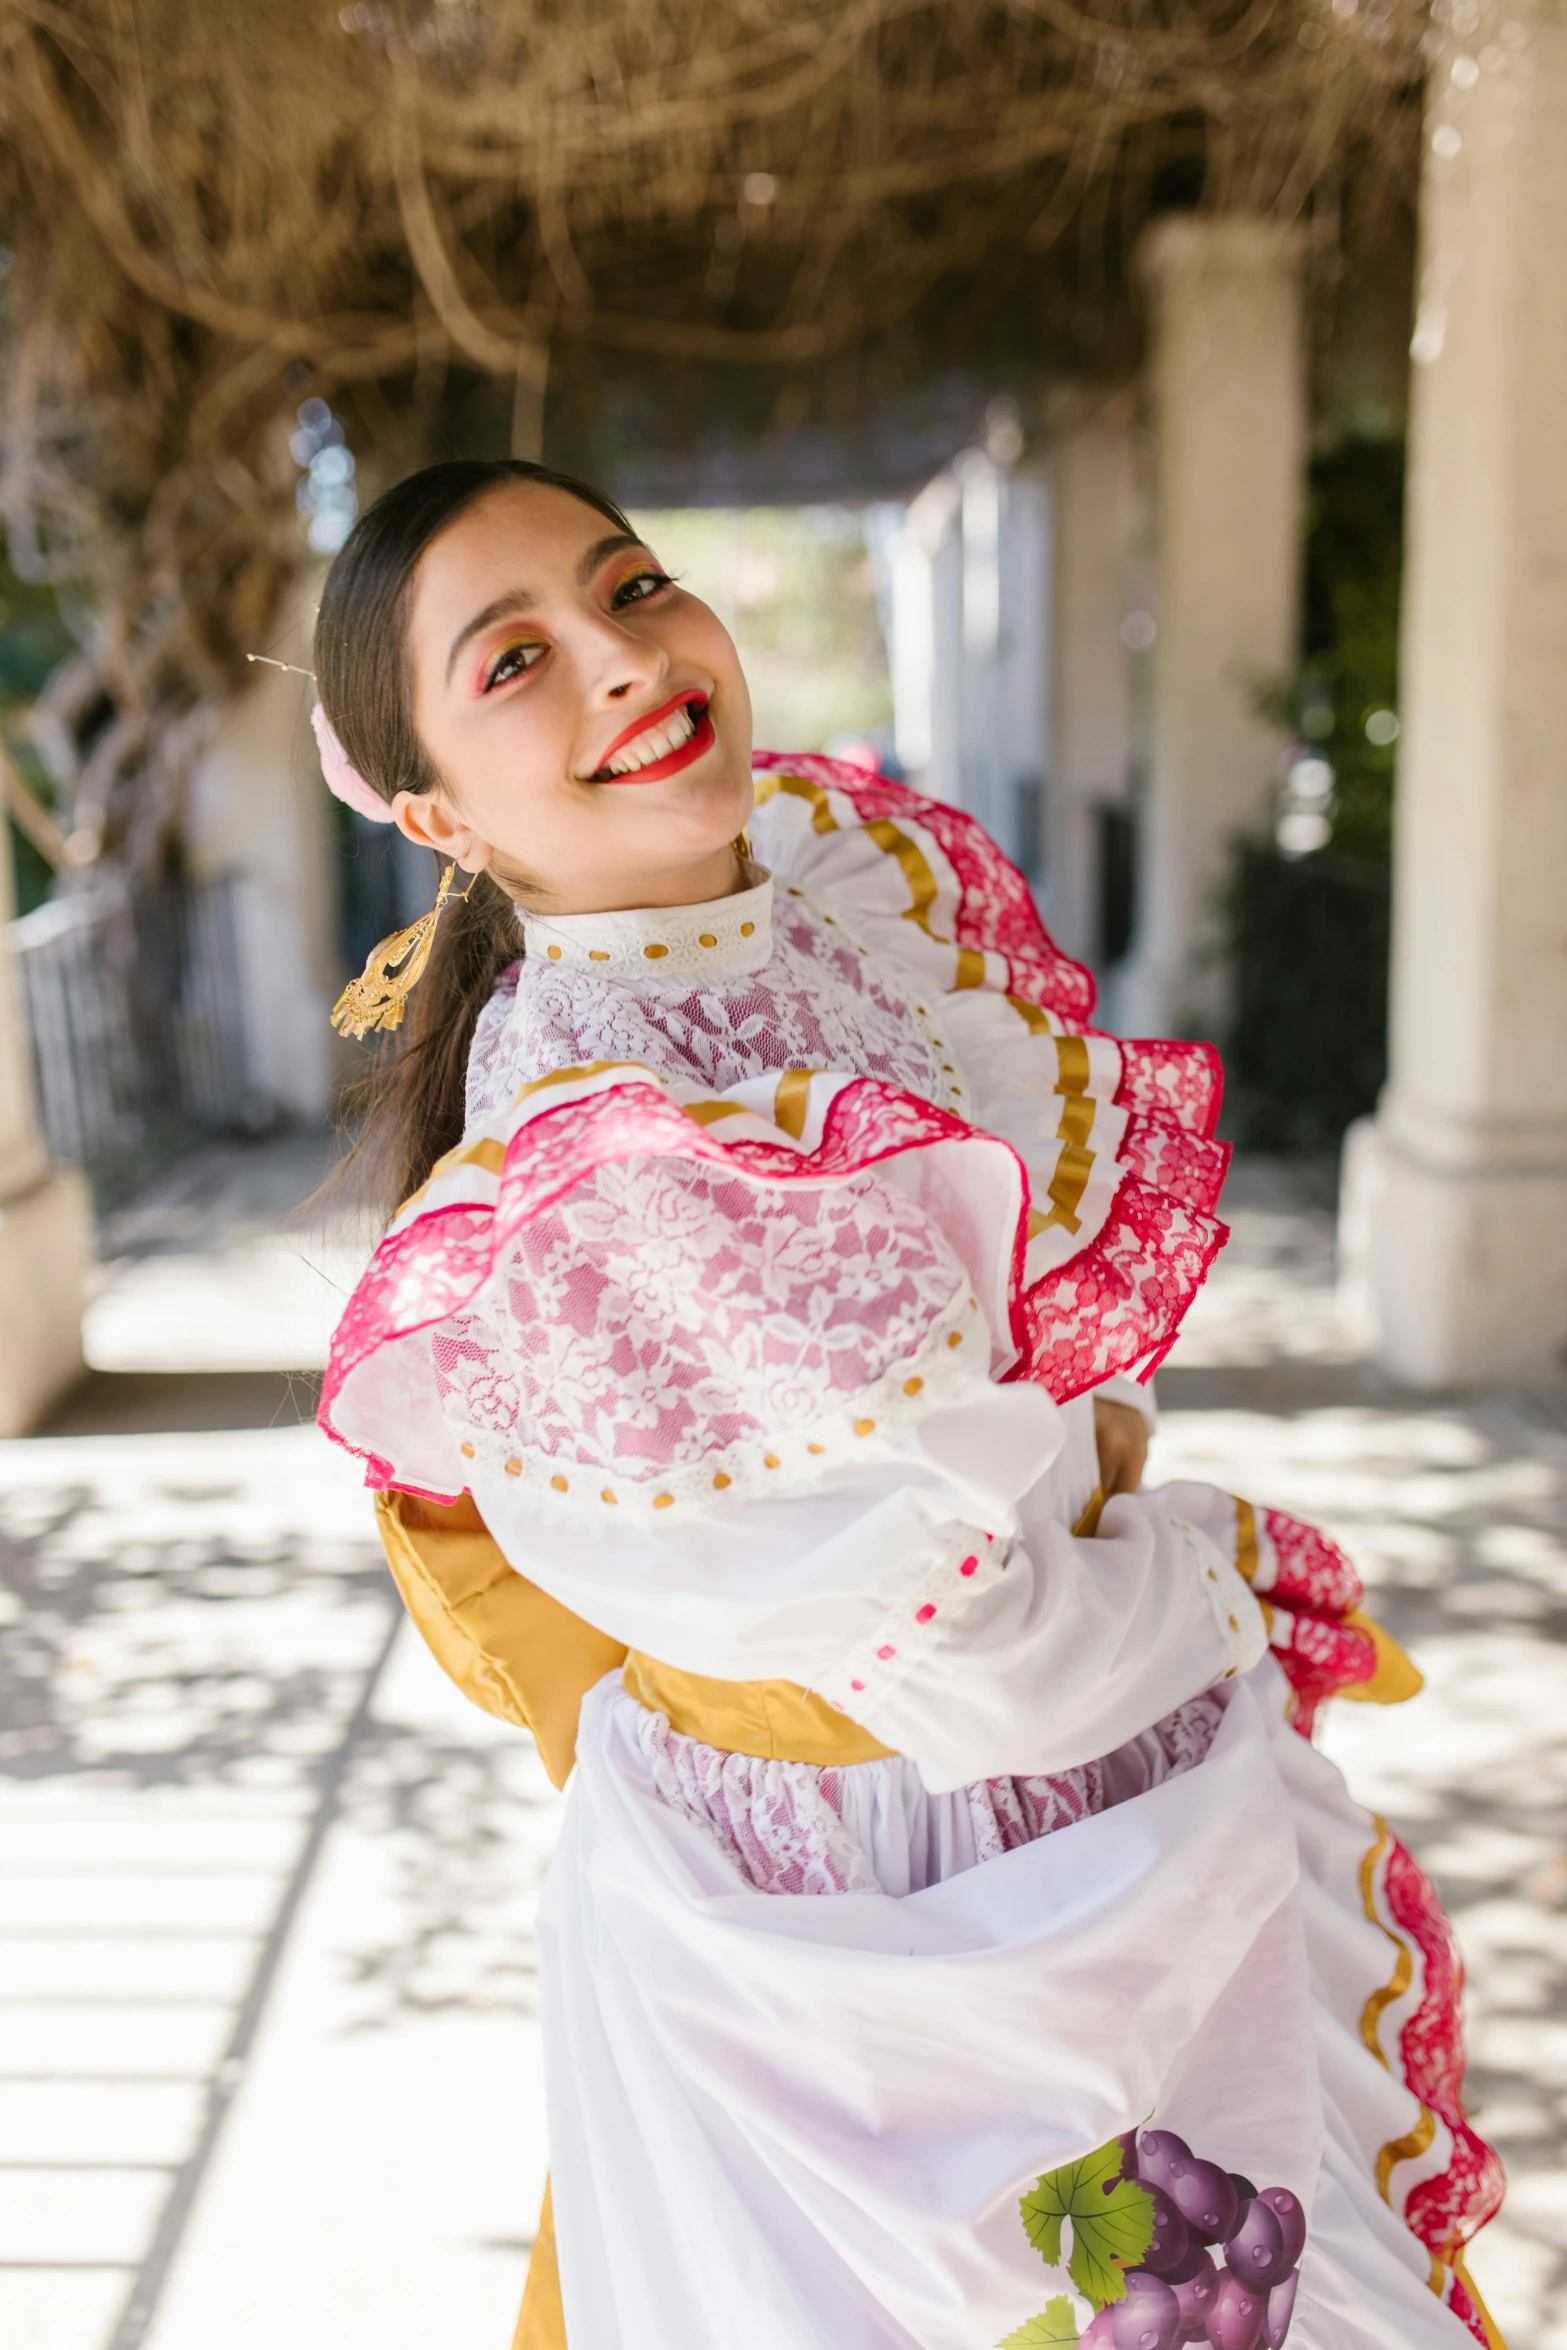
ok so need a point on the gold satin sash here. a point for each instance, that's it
(775, 1720)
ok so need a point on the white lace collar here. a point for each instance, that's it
(662, 942)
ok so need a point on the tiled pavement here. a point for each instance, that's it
(268, 2058)
(268, 2053)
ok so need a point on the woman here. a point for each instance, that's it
(749, 1368)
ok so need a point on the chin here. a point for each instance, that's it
(712, 809)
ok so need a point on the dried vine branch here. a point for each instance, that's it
(212, 205)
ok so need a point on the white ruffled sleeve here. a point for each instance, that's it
(727, 1376)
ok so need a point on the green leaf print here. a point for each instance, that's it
(1112, 2222)
(1054, 2325)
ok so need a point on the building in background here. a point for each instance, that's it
(965, 579)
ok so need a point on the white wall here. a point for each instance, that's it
(258, 808)
(967, 582)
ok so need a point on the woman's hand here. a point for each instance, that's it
(1121, 1436)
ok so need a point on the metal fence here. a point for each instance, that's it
(135, 1007)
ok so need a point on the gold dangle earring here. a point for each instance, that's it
(379, 996)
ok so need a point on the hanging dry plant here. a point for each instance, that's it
(211, 204)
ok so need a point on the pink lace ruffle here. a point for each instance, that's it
(820, 1001)
(1181, 1077)
(783, 1824)
(1119, 1303)
(1312, 1589)
(1312, 1572)
(995, 911)
(1444, 2212)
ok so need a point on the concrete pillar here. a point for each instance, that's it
(1092, 470)
(45, 1227)
(1458, 1193)
(258, 808)
(924, 570)
(1228, 389)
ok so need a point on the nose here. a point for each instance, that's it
(618, 662)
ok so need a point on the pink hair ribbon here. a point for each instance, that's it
(343, 778)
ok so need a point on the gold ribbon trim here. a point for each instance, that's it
(1418, 2140)
(893, 841)
(791, 1101)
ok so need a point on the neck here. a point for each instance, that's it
(718, 875)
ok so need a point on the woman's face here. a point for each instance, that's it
(587, 717)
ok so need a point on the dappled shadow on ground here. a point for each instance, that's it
(194, 1655)
(467, 1828)
(169, 1624)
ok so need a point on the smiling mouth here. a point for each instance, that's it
(661, 745)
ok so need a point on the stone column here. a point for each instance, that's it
(45, 1227)
(1457, 1198)
(258, 808)
(1227, 390)
(1092, 470)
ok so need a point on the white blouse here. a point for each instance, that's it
(762, 1305)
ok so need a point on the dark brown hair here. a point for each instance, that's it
(410, 1108)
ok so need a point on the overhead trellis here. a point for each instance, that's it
(214, 207)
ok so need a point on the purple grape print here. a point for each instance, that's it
(1195, 2296)
(1156, 2150)
(1286, 2209)
(1208, 2259)
(1171, 2242)
(1236, 2320)
(1281, 2308)
(1204, 2197)
(1256, 2252)
(1150, 2316)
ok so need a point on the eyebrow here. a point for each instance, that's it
(518, 599)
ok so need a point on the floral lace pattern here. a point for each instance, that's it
(783, 1823)
(722, 1206)
(1306, 1570)
(821, 1003)
(1168, 1158)
(666, 1322)
(1118, 1304)
(1445, 2211)
(1307, 1587)
(1183, 1079)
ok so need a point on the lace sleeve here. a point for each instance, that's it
(667, 1332)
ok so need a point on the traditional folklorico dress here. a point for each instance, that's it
(954, 1937)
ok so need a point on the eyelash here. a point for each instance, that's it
(660, 579)
(495, 676)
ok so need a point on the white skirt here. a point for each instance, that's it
(803, 2119)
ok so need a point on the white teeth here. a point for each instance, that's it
(655, 742)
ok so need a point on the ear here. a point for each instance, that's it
(429, 822)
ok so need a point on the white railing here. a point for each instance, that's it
(137, 1020)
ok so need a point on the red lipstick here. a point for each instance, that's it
(702, 740)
